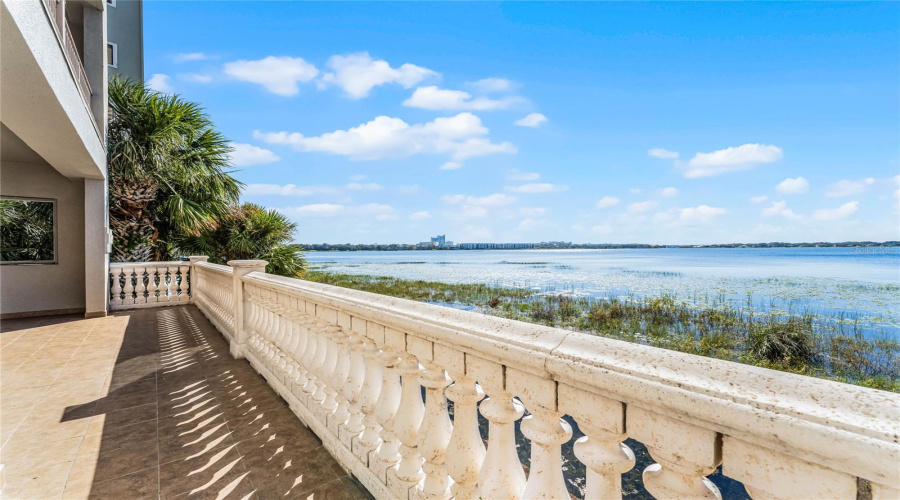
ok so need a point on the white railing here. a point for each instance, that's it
(352, 366)
(214, 295)
(134, 285)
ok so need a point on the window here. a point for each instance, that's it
(112, 55)
(27, 231)
(111, 3)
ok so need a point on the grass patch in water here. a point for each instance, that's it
(823, 346)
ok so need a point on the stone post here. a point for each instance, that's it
(240, 268)
(194, 275)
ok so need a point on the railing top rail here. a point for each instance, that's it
(214, 267)
(786, 412)
(170, 263)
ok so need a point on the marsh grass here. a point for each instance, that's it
(837, 347)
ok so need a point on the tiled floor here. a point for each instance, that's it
(148, 404)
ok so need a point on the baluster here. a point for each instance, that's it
(347, 379)
(434, 435)
(129, 286)
(768, 474)
(501, 474)
(685, 455)
(183, 285)
(141, 289)
(157, 278)
(368, 397)
(465, 451)
(310, 357)
(169, 277)
(319, 364)
(388, 452)
(116, 286)
(300, 352)
(331, 355)
(291, 368)
(408, 472)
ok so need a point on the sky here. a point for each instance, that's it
(660, 123)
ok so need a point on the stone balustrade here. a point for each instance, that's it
(353, 367)
(134, 285)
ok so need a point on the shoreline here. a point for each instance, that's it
(811, 344)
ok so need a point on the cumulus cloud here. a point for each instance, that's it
(699, 214)
(731, 160)
(668, 192)
(641, 207)
(315, 210)
(287, 190)
(487, 85)
(841, 212)
(244, 155)
(368, 186)
(663, 154)
(452, 165)
(537, 187)
(531, 120)
(491, 201)
(195, 77)
(515, 175)
(797, 185)
(607, 201)
(759, 199)
(424, 214)
(357, 74)
(533, 211)
(780, 209)
(378, 211)
(160, 82)
(459, 136)
(189, 56)
(846, 187)
(279, 75)
(434, 98)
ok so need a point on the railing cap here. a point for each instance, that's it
(248, 263)
(198, 258)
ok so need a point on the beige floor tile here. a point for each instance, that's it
(40, 455)
(43, 483)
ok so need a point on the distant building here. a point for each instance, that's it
(426, 245)
(440, 240)
(495, 246)
(125, 39)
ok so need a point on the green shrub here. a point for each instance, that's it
(791, 343)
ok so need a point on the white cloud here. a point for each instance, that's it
(247, 154)
(160, 82)
(793, 186)
(459, 136)
(841, 212)
(668, 192)
(195, 77)
(357, 74)
(537, 187)
(490, 201)
(641, 207)
(607, 201)
(533, 211)
(515, 175)
(424, 214)
(434, 98)
(369, 186)
(731, 160)
(847, 187)
(487, 85)
(189, 56)
(452, 165)
(759, 199)
(315, 210)
(663, 154)
(780, 209)
(699, 214)
(287, 190)
(279, 75)
(531, 120)
(380, 211)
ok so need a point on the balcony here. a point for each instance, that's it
(353, 368)
(56, 13)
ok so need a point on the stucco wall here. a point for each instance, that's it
(46, 287)
(125, 29)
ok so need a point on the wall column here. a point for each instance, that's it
(96, 248)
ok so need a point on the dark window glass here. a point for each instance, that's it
(26, 231)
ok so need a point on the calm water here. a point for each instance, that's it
(861, 283)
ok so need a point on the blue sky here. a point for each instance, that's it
(665, 123)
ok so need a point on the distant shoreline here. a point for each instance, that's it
(872, 246)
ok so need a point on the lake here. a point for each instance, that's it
(859, 283)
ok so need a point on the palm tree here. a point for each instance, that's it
(26, 230)
(249, 231)
(167, 170)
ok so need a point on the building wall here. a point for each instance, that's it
(125, 28)
(46, 287)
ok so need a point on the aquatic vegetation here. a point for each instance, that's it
(783, 336)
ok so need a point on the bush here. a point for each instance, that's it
(790, 343)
